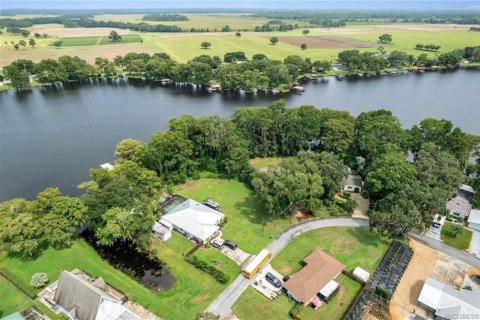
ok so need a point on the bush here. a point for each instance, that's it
(383, 292)
(39, 280)
(204, 266)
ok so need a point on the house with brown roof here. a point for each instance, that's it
(318, 273)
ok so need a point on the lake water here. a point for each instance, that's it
(52, 136)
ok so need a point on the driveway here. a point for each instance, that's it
(222, 306)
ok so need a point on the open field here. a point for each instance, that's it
(352, 246)
(260, 163)
(241, 208)
(461, 241)
(322, 43)
(212, 21)
(97, 40)
(326, 42)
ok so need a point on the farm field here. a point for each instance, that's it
(322, 43)
(212, 21)
(244, 213)
(352, 246)
(96, 40)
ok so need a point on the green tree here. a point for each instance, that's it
(114, 36)
(293, 184)
(205, 45)
(50, 71)
(58, 43)
(389, 173)
(32, 42)
(385, 38)
(238, 34)
(303, 46)
(128, 149)
(274, 40)
(23, 43)
(18, 76)
(306, 31)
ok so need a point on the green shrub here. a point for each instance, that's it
(204, 266)
(383, 292)
(39, 280)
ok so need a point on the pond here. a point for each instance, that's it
(52, 136)
(122, 255)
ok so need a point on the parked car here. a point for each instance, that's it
(230, 244)
(217, 244)
(436, 225)
(273, 280)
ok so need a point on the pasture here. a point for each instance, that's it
(96, 40)
(322, 44)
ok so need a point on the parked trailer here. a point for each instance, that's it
(252, 268)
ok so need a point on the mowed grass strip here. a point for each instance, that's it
(242, 209)
(252, 305)
(77, 41)
(12, 299)
(460, 241)
(128, 38)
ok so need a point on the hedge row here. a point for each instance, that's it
(17, 282)
(218, 275)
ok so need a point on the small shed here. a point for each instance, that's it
(329, 290)
(162, 231)
(361, 274)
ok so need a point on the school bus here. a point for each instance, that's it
(252, 268)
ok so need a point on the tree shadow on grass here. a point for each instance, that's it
(369, 238)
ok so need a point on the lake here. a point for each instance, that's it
(51, 136)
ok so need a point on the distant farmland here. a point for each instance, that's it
(96, 40)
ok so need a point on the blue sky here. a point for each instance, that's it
(269, 4)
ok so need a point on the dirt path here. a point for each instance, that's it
(405, 300)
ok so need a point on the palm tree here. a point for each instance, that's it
(39, 280)
(456, 229)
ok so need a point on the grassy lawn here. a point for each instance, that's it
(12, 299)
(338, 305)
(252, 305)
(242, 209)
(259, 163)
(352, 246)
(461, 241)
(194, 289)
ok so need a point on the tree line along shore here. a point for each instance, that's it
(235, 71)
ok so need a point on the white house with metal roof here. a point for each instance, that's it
(474, 219)
(448, 303)
(195, 220)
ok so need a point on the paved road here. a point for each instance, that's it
(224, 302)
(443, 248)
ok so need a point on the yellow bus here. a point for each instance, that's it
(252, 268)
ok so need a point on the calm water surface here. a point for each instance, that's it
(52, 136)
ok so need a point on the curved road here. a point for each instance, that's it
(222, 306)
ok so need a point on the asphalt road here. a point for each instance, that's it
(446, 249)
(224, 302)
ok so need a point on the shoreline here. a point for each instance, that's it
(282, 89)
